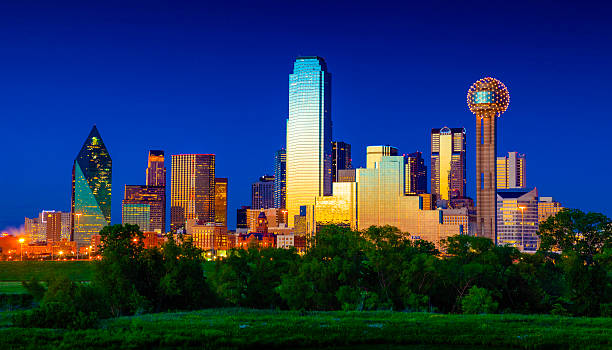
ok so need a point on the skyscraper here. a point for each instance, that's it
(374, 154)
(448, 168)
(156, 170)
(511, 171)
(488, 98)
(241, 217)
(221, 200)
(262, 193)
(54, 227)
(192, 189)
(91, 189)
(309, 134)
(547, 207)
(280, 178)
(415, 181)
(341, 158)
(140, 198)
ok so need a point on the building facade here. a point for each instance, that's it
(91, 189)
(156, 169)
(547, 207)
(241, 217)
(517, 219)
(280, 178)
(192, 189)
(511, 171)
(416, 174)
(137, 214)
(374, 154)
(448, 163)
(309, 134)
(341, 158)
(262, 193)
(136, 199)
(221, 200)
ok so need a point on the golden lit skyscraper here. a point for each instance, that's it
(547, 207)
(374, 154)
(309, 129)
(488, 98)
(221, 200)
(415, 173)
(192, 189)
(517, 219)
(448, 168)
(511, 171)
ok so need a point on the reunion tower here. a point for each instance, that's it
(488, 98)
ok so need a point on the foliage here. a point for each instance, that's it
(478, 301)
(35, 288)
(44, 270)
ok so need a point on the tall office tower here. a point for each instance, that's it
(415, 181)
(145, 203)
(341, 158)
(221, 200)
(66, 226)
(309, 134)
(156, 170)
(33, 231)
(511, 171)
(488, 98)
(280, 178)
(448, 146)
(346, 175)
(374, 154)
(192, 189)
(54, 226)
(241, 217)
(517, 218)
(262, 193)
(91, 189)
(547, 207)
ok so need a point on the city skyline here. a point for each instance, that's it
(542, 106)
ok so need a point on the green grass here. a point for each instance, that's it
(12, 288)
(240, 329)
(17, 271)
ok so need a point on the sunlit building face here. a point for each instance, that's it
(448, 146)
(309, 130)
(517, 219)
(511, 171)
(192, 192)
(91, 189)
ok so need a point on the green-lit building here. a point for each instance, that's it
(91, 189)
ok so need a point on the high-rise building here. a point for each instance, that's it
(346, 175)
(309, 134)
(511, 171)
(341, 158)
(488, 98)
(91, 189)
(192, 189)
(221, 200)
(262, 193)
(448, 146)
(547, 207)
(66, 226)
(33, 231)
(139, 199)
(276, 217)
(280, 179)
(156, 170)
(375, 154)
(54, 227)
(416, 174)
(517, 219)
(241, 217)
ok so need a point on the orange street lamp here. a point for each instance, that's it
(21, 240)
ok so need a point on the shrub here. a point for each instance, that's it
(55, 315)
(478, 301)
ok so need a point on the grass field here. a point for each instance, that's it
(17, 271)
(240, 329)
(11, 288)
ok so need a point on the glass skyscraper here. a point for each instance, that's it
(309, 134)
(221, 200)
(341, 158)
(280, 179)
(511, 171)
(415, 181)
(262, 193)
(156, 170)
(91, 189)
(448, 168)
(137, 198)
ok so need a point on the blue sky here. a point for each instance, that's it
(213, 78)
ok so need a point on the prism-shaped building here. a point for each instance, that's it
(91, 189)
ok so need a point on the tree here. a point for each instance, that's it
(478, 301)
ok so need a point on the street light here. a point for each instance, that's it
(522, 208)
(21, 240)
(61, 252)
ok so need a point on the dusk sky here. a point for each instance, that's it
(213, 78)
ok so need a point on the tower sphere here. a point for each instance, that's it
(488, 96)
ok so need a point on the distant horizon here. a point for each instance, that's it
(177, 78)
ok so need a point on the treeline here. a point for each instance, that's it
(378, 269)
